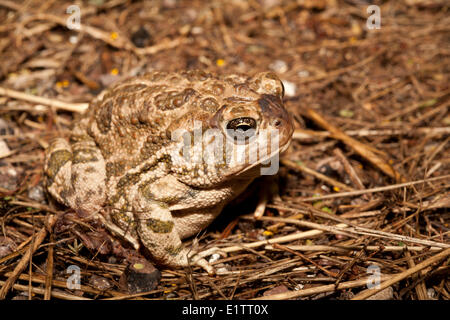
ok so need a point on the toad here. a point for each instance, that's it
(157, 157)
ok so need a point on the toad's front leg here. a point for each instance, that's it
(157, 232)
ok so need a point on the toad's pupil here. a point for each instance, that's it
(243, 127)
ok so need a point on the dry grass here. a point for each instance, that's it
(365, 181)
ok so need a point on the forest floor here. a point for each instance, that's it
(363, 192)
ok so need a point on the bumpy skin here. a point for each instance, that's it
(119, 162)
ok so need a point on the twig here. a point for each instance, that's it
(316, 174)
(303, 134)
(40, 279)
(348, 266)
(372, 190)
(367, 293)
(330, 273)
(360, 214)
(49, 275)
(430, 113)
(356, 145)
(321, 289)
(117, 41)
(291, 237)
(363, 210)
(164, 44)
(56, 294)
(339, 229)
(10, 5)
(349, 169)
(40, 236)
(74, 107)
(223, 28)
(344, 249)
(337, 72)
(420, 288)
(412, 108)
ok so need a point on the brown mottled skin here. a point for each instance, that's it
(119, 162)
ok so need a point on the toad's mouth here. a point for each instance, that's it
(249, 168)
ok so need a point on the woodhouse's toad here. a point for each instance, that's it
(123, 162)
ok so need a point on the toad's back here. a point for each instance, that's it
(133, 119)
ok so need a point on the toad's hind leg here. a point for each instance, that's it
(76, 174)
(157, 232)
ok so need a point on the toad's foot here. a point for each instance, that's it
(198, 258)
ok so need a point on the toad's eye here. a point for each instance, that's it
(241, 128)
(242, 124)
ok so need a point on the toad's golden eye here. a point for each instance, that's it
(243, 124)
(241, 128)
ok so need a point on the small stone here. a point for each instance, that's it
(214, 258)
(356, 28)
(100, 283)
(279, 289)
(4, 150)
(300, 286)
(7, 246)
(266, 4)
(108, 79)
(73, 39)
(138, 266)
(96, 2)
(290, 89)
(385, 294)
(431, 293)
(279, 66)
(139, 276)
(222, 270)
(5, 128)
(9, 177)
(112, 260)
(37, 194)
(55, 37)
(346, 295)
(197, 30)
(346, 113)
(21, 296)
(317, 4)
(446, 121)
(141, 38)
(97, 241)
(169, 4)
(303, 73)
